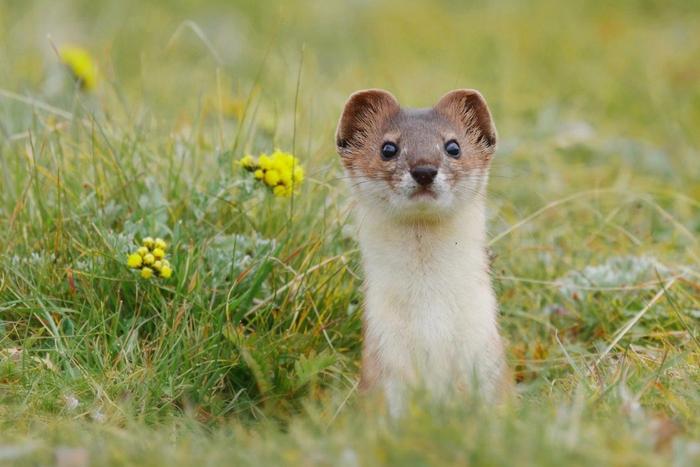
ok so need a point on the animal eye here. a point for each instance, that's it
(452, 148)
(389, 150)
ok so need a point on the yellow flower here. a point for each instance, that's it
(280, 171)
(248, 162)
(272, 177)
(134, 260)
(166, 272)
(264, 162)
(298, 174)
(286, 178)
(284, 158)
(150, 259)
(281, 191)
(277, 164)
(81, 65)
(160, 243)
(158, 253)
(146, 273)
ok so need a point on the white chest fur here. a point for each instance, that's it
(430, 317)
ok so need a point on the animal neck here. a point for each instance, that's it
(443, 246)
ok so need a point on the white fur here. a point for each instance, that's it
(430, 307)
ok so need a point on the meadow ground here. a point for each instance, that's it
(248, 354)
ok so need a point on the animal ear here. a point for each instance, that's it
(467, 108)
(364, 111)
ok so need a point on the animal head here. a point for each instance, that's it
(416, 162)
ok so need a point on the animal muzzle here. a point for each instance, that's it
(424, 174)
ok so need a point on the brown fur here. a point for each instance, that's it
(373, 117)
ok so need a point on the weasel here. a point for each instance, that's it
(419, 180)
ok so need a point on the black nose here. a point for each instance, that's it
(424, 175)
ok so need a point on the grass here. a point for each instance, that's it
(249, 354)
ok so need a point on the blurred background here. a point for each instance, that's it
(629, 70)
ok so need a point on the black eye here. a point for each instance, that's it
(452, 148)
(389, 150)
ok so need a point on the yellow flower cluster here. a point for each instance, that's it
(280, 171)
(81, 65)
(150, 259)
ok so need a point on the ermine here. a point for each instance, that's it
(419, 180)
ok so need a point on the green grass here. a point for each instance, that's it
(249, 354)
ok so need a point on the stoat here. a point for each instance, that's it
(419, 180)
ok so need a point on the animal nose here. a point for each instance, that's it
(424, 175)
